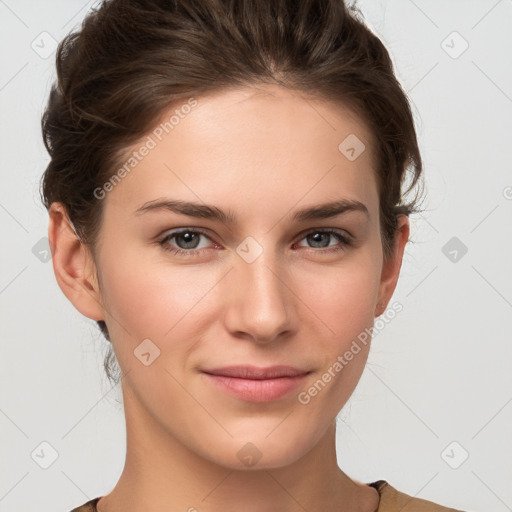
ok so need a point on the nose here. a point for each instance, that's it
(260, 303)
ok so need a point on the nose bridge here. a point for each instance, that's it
(260, 304)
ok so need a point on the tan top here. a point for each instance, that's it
(391, 500)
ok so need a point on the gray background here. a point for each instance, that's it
(438, 384)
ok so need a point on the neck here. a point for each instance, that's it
(161, 473)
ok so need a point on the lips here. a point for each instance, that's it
(255, 373)
(253, 384)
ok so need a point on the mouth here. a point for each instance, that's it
(253, 384)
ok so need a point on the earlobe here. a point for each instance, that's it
(73, 264)
(391, 267)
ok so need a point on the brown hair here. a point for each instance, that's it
(132, 59)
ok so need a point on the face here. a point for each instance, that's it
(257, 284)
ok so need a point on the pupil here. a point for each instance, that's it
(318, 236)
(188, 237)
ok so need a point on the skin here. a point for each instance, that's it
(261, 153)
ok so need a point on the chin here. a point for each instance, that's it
(257, 451)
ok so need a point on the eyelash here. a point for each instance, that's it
(163, 242)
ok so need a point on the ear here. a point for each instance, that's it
(391, 267)
(73, 264)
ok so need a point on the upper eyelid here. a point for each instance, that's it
(338, 231)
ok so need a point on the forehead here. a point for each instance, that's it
(247, 145)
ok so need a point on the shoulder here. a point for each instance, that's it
(392, 500)
(90, 506)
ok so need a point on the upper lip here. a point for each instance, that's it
(257, 373)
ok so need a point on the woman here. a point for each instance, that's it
(225, 201)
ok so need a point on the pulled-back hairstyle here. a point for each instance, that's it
(132, 59)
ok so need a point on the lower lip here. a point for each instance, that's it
(252, 390)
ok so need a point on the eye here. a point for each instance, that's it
(187, 241)
(319, 237)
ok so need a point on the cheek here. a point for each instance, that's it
(148, 300)
(343, 303)
(343, 297)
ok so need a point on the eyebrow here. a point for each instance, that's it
(321, 211)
